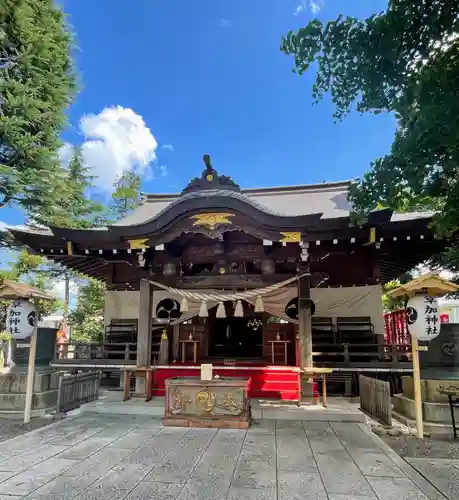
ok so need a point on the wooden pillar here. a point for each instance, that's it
(175, 341)
(144, 331)
(305, 332)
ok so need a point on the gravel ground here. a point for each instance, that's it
(411, 446)
(12, 427)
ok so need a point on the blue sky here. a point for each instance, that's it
(165, 81)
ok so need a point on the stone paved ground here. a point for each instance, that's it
(131, 457)
(437, 459)
(12, 427)
(437, 447)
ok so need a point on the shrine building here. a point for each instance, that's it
(258, 282)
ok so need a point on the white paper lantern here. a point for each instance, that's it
(423, 317)
(20, 319)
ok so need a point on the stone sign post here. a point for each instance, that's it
(423, 319)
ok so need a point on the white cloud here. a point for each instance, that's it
(168, 146)
(315, 6)
(65, 153)
(114, 141)
(163, 170)
(225, 23)
(300, 8)
(58, 288)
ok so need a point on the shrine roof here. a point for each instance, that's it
(328, 199)
(311, 212)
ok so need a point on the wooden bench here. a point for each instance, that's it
(346, 378)
(354, 324)
(323, 333)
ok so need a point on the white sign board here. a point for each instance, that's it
(423, 317)
(206, 372)
(20, 319)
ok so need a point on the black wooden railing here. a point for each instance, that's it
(387, 356)
(363, 355)
(75, 390)
(122, 351)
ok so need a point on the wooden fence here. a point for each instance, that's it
(75, 390)
(125, 351)
(375, 399)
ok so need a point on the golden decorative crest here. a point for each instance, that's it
(230, 404)
(211, 220)
(138, 244)
(179, 401)
(205, 400)
(288, 237)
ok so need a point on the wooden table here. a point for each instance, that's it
(134, 372)
(195, 349)
(273, 344)
(314, 372)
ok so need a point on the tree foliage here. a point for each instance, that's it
(394, 303)
(88, 317)
(31, 269)
(36, 86)
(127, 195)
(75, 209)
(405, 61)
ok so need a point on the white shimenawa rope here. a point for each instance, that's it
(224, 297)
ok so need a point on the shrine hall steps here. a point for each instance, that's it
(267, 382)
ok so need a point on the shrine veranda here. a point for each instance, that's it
(187, 279)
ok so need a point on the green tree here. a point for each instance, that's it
(37, 83)
(87, 318)
(75, 208)
(127, 195)
(394, 303)
(404, 60)
(31, 269)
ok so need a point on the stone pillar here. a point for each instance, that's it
(305, 332)
(13, 382)
(46, 352)
(144, 331)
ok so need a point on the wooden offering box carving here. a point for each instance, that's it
(222, 403)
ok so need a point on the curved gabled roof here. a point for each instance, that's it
(327, 199)
(267, 213)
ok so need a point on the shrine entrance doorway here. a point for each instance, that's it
(236, 338)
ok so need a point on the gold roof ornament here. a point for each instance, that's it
(211, 220)
(431, 284)
(138, 244)
(290, 237)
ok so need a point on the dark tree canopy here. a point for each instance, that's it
(75, 209)
(404, 60)
(36, 86)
